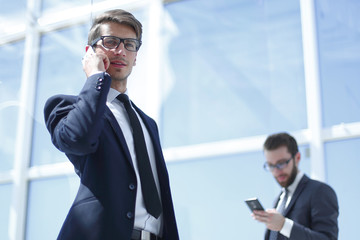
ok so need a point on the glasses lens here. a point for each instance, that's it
(111, 42)
(281, 165)
(131, 44)
(267, 167)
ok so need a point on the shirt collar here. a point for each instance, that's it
(113, 94)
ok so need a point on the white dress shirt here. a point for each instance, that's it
(286, 229)
(143, 220)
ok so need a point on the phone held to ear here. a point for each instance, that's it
(91, 50)
(254, 204)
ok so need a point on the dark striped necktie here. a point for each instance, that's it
(148, 186)
(274, 235)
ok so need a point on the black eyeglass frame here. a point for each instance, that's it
(278, 166)
(122, 40)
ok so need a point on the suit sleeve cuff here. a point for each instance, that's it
(286, 229)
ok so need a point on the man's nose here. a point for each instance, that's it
(120, 49)
(277, 170)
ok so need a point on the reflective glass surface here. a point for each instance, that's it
(60, 72)
(343, 175)
(339, 45)
(5, 201)
(55, 5)
(238, 70)
(235, 70)
(49, 201)
(12, 16)
(210, 194)
(11, 61)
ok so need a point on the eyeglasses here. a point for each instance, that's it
(112, 42)
(278, 166)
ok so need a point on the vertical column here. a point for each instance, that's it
(312, 81)
(144, 83)
(154, 57)
(24, 125)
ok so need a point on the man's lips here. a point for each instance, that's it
(117, 63)
(281, 178)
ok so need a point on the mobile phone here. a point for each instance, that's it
(254, 204)
(90, 49)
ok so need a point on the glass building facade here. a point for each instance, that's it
(217, 76)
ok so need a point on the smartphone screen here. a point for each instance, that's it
(254, 204)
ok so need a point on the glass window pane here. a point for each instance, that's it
(339, 48)
(238, 70)
(343, 166)
(218, 185)
(221, 185)
(5, 201)
(60, 72)
(11, 59)
(55, 5)
(12, 16)
(48, 204)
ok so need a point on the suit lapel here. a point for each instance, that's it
(277, 200)
(152, 129)
(297, 193)
(150, 126)
(120, 136)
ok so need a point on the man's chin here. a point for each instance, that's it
(283, 183)
(118, 74)
(118, 77)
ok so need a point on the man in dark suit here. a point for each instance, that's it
(306, 209)
(95, 132)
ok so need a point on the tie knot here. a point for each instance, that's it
(123, 98)
(286, 191)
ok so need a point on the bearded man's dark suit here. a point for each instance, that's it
(86, 130)
(314, 210)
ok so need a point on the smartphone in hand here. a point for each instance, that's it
(254, 204)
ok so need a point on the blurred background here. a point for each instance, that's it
(217, 76)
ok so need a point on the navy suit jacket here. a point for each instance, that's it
(314, 210)
(86, 130)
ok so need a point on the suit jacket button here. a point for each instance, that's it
(129, 215)
(132, 186)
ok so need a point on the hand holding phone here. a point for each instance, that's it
(254, 204)
(94, 62)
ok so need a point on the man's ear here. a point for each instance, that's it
(297, 158)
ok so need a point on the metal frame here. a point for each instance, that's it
(312, 84)
(24, 127)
